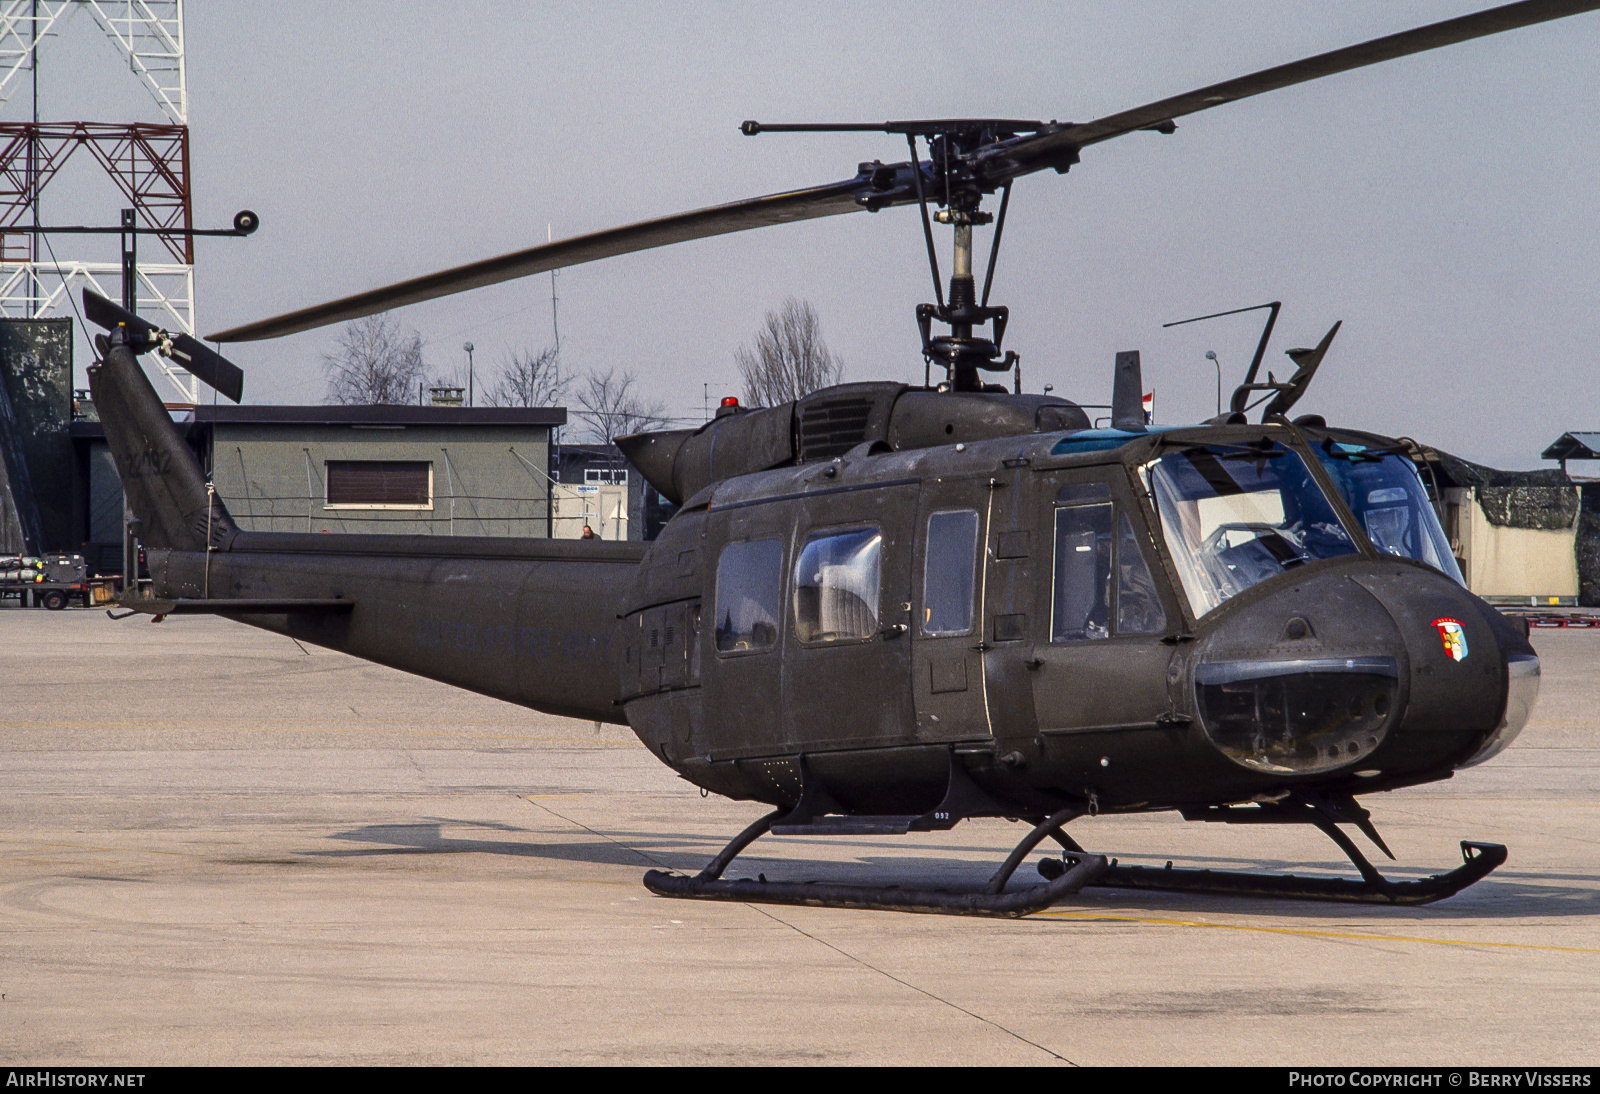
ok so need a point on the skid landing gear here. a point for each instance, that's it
(1477, 860)
(1077, 871)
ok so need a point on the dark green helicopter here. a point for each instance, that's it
(884, 608)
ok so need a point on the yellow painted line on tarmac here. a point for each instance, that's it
(1092, 916)
(1500, 801)
(317, 729)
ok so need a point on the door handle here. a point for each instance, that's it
(893, 630)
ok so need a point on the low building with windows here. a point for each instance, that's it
(597, 487)
(420, 470)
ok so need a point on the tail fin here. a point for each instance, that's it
(161, 478)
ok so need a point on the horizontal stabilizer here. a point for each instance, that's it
(189, 353)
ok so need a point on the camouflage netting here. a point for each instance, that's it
(1588, 550)
(1516, 499)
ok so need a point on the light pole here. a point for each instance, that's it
(468, 348)
(1211, 355)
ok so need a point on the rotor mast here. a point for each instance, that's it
(963, 352)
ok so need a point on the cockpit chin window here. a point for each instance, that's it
(1234, 516)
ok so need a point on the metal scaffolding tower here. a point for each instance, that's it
(148, 163)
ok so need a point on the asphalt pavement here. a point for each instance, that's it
(219, 847)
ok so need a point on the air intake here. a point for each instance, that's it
(832, 427)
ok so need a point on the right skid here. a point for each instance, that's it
(1478, 859)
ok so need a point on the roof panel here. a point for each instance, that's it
(1574, 446)
(382, 415)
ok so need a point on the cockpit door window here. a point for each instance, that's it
(1098, 579)
(1082, 608)
(1139, 608)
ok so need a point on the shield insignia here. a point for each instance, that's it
(1454, 637)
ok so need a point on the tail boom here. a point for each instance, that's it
(537, 631)
(526, 620)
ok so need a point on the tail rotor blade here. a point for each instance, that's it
(103, 313)
(190, 353)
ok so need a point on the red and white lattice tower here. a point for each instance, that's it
(149, 163)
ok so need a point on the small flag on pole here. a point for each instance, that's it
(1149, 408)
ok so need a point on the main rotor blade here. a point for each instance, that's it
(738, 216)
(1030, 154)
(880, 186)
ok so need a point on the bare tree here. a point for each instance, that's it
(529, 379)
(376, 363)
(610, 407)
(788, 358)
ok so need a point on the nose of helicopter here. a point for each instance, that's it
(1371, 667)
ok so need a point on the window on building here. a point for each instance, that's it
(379, 484)
(949, 573)
(616, 476)
(749, 591)
(836, 586)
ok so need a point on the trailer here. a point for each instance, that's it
(51, 581)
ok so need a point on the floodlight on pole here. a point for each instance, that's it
(1211, 355)
(468, 347)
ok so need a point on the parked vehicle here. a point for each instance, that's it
(51, 581)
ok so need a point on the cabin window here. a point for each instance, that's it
(949, 572)
(836, 582)
(379, 484)
(1098, 580)
(749, 592)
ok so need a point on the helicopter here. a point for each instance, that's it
(886, 609)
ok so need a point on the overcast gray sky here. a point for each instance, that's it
(1441, 205)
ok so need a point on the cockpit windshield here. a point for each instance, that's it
(1237, 515)
(1383, 491)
